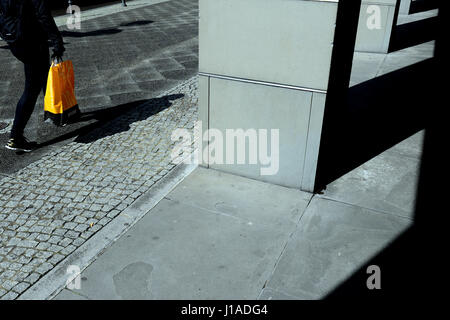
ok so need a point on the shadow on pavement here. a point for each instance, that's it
(136, 23)
(423, 5)
(110, 121)
(79, 34)
(413, 33)
(375, 116)
(101, 32)
(413, 266)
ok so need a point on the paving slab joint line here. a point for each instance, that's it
(380, 67)
(54, 282)
(285, 246)
(78, 294)
(215, 212)
(280, 291)
(375, 211)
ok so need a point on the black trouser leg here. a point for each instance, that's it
(36, 72)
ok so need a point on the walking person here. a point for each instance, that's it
(29, 28)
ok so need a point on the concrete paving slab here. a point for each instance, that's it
(183, 252)
(410, 147)
(425, 50)
(332, 241)
(404, 58)
(271, 294)
(70, 295)
(365, 66)
(386, 183)
(245, 199)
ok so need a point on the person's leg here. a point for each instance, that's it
(27, 101)
(36, 72)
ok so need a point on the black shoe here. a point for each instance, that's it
(21, 144)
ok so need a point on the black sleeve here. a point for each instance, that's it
(44, 16)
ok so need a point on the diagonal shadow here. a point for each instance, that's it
(373, 117)
(412, 266)
(413, 33)
(79, 34)
(423, 5)
(110, 121)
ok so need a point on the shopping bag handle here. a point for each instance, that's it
(56, 61)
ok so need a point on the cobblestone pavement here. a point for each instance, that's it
(119, 59)
(51, 207)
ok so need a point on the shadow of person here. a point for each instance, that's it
(80, 34)
(110, 121)
(101, 32)
(136, 23)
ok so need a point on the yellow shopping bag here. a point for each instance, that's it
(60, 104)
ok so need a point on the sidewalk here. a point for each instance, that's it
(220, 236)
(135, 75)
(52, 206)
